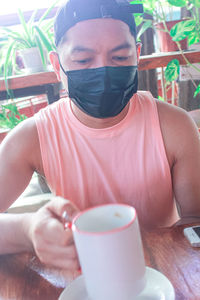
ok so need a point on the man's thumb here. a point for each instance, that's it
(63, 208)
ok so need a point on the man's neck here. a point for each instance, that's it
(95, 122)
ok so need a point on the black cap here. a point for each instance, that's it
(74, 11)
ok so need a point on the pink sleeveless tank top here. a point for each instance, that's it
(125, 163)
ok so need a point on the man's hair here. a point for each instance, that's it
(74, 11)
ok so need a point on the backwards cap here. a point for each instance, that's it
(74, 11)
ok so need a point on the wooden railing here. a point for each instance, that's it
(45, 82)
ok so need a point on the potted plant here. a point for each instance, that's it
(164, 15)
(190, 27)
(30, 35)
(186, 30)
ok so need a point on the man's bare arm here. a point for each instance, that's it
(14, 235)
(182, 144)
(42, 232)
(17, 154)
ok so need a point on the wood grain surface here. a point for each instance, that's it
(147, 62)
(162, 59)
(168, 251)
(22, 277)
(24, 81)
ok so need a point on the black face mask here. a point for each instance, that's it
(102, 92)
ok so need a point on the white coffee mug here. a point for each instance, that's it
(110, 251)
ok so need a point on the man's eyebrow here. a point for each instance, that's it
(82, 49)
(122, 46)
(78, 49)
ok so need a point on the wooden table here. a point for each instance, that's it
(22, 277)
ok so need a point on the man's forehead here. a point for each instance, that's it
(86, 33)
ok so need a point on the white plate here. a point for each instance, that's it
(158, 287)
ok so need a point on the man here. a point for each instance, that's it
(106, 143)
(195, 114)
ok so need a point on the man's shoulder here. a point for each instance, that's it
(178, 129)
(55, 105)
(173, 116)
(22, 142)
(26, 131)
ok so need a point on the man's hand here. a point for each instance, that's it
(53, 243)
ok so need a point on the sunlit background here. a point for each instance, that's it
(11, 6)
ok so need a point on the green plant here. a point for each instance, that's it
(162, 11)
(190, 29)
(10, 116)
(158, 10)
(31, 34)
(12, 67)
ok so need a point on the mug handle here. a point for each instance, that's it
(68, 225)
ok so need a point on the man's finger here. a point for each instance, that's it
(55, 233)
(60, 205)
(51, 251)
(60, 261)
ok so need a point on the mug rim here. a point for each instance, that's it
(115, 230)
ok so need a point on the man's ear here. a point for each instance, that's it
(138, 49)
(53, 56)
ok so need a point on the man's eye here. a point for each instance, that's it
(83, 61)
(120, 58)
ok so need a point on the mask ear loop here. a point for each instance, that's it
(65, 72)
(138, 44)
(61, 65)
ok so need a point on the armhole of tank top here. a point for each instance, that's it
(40, 132)
(158, 129)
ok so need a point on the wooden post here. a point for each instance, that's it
(164, 94)
(148, 78)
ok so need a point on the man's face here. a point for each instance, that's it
(97, 43)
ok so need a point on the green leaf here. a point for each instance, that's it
(147, 24)
(161, 98)
(193, 38)
(10, 116)
(43, 57)
(149, 6)
(9, 54)
(10, 33)
(32, 18)
(196, 3)
(12, 108)
(179, 3)
(43, 38)
(172, 70)
(197, 91)
(138, 20)
(31, 22)
(24, 25)
(47, 12)
(182, 29)
(47, 25)
(20, 41)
